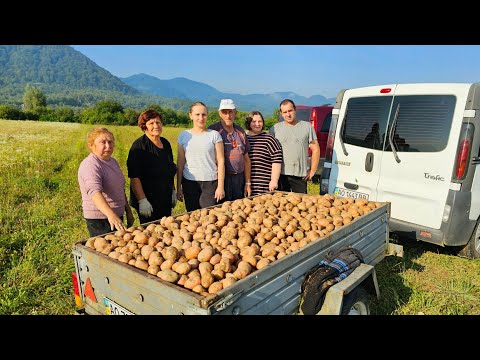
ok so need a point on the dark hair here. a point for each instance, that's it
(286, 101)
(146, 116)
(249, 119)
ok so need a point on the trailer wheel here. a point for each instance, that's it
(357, 302)
(472, 249)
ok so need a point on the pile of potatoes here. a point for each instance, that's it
(208, 250)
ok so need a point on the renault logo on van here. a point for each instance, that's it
(434, 177)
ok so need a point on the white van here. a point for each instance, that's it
(416, 146)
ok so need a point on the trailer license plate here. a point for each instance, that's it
(349, 193)
(112, 308)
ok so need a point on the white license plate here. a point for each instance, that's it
(112, 308)
(349, 193)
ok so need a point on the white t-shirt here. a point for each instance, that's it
(200, 159)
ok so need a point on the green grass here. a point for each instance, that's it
(41, 218)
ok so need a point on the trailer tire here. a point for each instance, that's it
(472, 249)
(357, 302)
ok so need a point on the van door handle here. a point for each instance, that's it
(369, 162)
(476, 160)
(350, 186)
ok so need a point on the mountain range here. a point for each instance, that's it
(67, 77)
(183, 88)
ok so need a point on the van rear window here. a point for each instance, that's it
(366, 121)
(423, 122)
(422, 125)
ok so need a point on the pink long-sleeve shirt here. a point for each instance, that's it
(96, 175)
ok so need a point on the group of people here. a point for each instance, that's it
(220, 163)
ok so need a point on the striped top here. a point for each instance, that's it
(264, 151)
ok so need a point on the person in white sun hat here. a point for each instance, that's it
(236, 148)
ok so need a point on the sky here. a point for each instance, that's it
(303, 69)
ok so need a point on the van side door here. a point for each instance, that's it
(359, 141)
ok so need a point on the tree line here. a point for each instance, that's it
(106, 112)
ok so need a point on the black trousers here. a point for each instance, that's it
(292, 183)
(199, 194)
(98, 227)
(234, 187)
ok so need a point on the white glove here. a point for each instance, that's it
(174, 198)
(145, 207)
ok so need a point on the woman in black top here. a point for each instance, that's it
(151, 170)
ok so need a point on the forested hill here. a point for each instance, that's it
(68, 78)
(44, 65)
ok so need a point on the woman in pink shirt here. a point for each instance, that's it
(102, 185)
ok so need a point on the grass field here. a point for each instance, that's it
(41, 218)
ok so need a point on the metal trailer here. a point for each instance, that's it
(107, 286)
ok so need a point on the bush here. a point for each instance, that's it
(10, 113)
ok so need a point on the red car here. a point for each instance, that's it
(319, 117)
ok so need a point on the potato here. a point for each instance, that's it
(207, 279)
(215, 259)
(206, 254)
(192, 252)
(146, 250)
(199, 289)
(182, 279)
(171, 253)
(218, 274)
(182, 268)
(125, 258)
(141, 238)
(107, 249)
(167, 264)
(114, 255)
(262, 263)
(141, 264)
(215, 287)
(99, 243)
(153, 269)
(155, 258)
(194, 273)
(190, 283)
(168, 275)
(205, 267)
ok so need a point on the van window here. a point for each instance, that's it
(423, 122)
(365, 121)
(303, 114)
(326, 123)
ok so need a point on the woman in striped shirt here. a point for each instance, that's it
(265, 155)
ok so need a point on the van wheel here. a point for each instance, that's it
(472, 249)
(357, 302)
